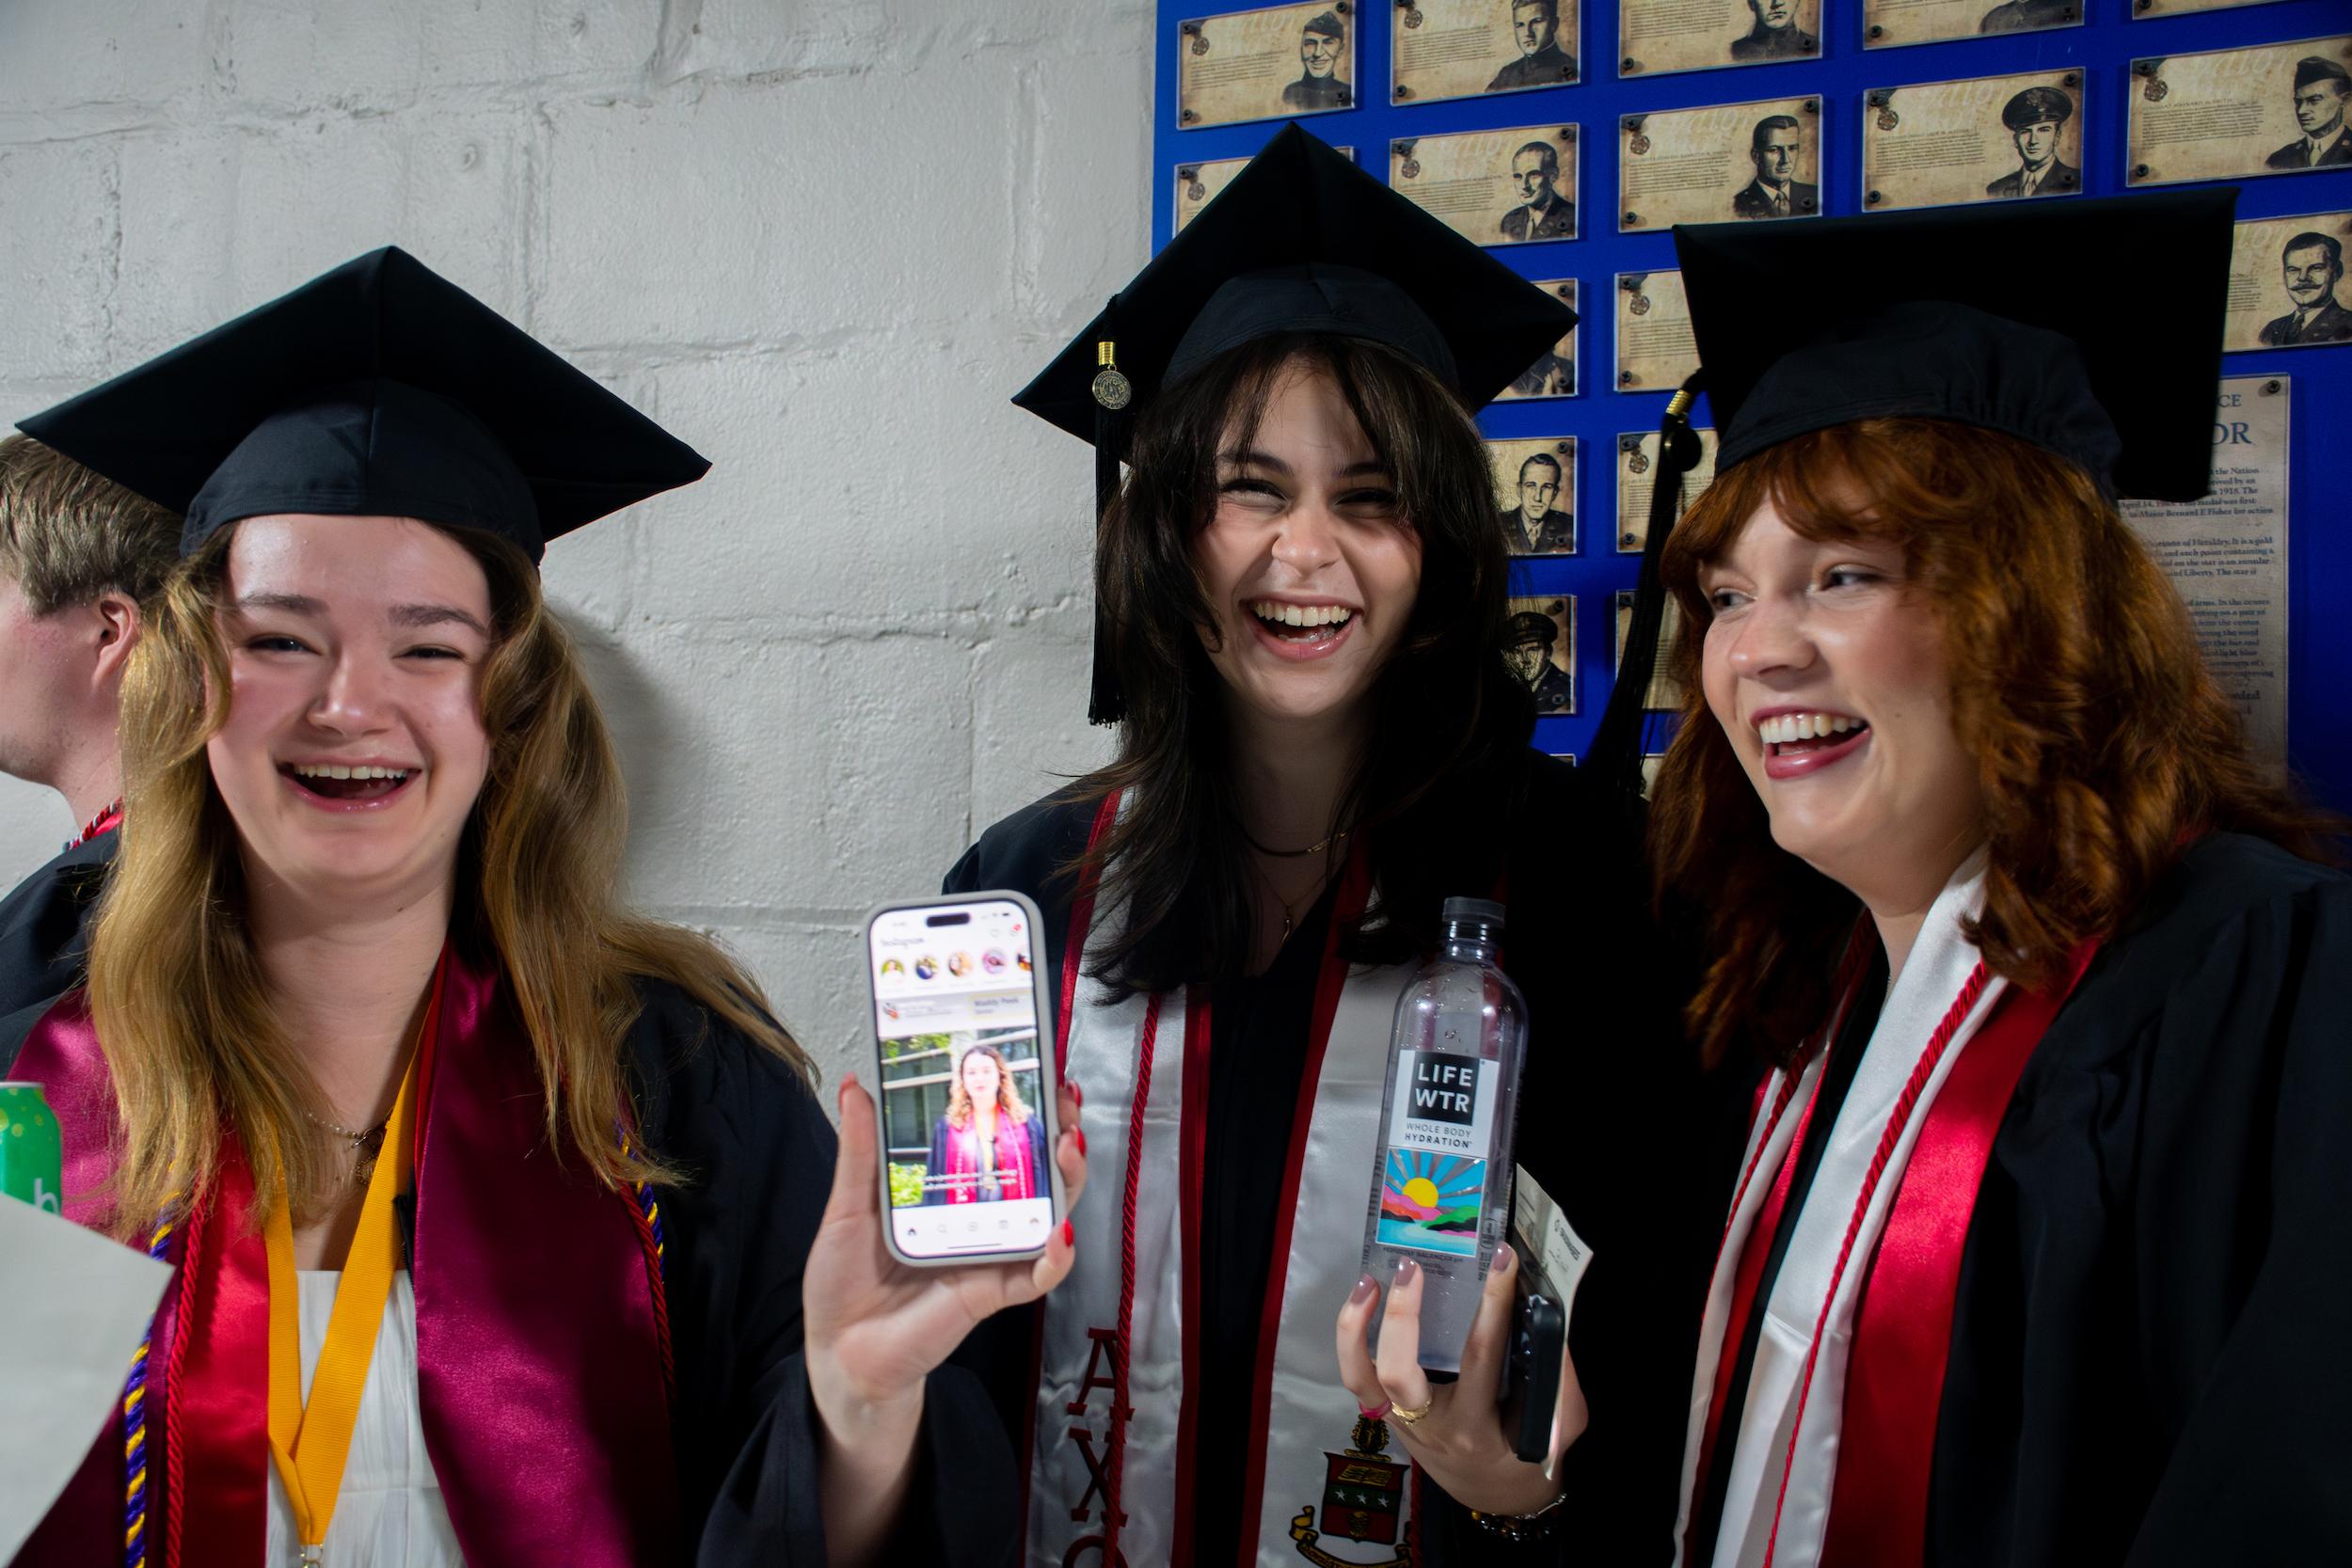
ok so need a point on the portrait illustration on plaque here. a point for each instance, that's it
(2278, 108)
(1492, 187)
(1656, 37)
(1665, 693)
(1753, 161)
(1535, 493)
(1991, 138)
(1554, 375)
(1539, 647)
(1441, 49)
(1279, 63)
(2286, 283)
(1655, 349)
(1637, 474)
(1891, 24)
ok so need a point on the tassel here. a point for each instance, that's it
(1618, 742)
(1107, 702)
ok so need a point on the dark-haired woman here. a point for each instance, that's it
(2038, 1251)
(1302, 591)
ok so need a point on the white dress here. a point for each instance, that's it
(389, 1514)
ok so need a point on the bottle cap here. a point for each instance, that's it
(1484, 912)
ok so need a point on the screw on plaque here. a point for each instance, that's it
(1879, 98)
(1806, 204)
(1629, 67)
(1348, 96)
(1568, 133)
(1873, 199)
(1634, 220)
(2271, 389)
(1402, 92)
(2072, 79)
(1187, 118)
(1812, 105)
(2144, 67)
(1344, 9)
(2140, 171)
(1564, 448)
(1877, 31)
(1566, 291)
(1629, 441)
(2143, 4)
(1624, 378)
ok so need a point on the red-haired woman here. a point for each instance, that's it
(2038, 1250)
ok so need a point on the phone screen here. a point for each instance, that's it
(968, 1129)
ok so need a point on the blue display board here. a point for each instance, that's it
(2102, 49)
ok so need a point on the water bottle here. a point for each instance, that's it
(1441, 1178)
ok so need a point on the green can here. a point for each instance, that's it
(32, 1160)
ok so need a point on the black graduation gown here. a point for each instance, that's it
(2147, 1361)
(759, 1154)
(1608, 1124)
(44, 933)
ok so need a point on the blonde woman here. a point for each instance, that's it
(986, 1146)
(491, 1203)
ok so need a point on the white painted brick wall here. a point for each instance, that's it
(824, 240)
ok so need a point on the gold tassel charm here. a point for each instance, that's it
(1111, 387)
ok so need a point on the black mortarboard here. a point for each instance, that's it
(378, 389)
(1300, 241)
(1931, 314)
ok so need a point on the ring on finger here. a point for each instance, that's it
(1411, 1417)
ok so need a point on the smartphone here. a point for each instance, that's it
(963, 1079)
(1532, 1377)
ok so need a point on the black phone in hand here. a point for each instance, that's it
(1531, 1382)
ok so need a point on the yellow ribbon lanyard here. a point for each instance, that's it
(310, 1439)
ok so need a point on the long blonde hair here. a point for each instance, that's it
(176, 989)
(1010, 1105)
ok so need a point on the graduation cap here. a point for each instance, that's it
(377, 390)
(1300, 241)
(1943, 315)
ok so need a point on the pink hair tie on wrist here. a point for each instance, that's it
(1376, 1411)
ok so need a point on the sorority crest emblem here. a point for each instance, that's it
(1888, 119)
(1639, 145)
(1639, 305)
(1638, 463)
(1199, 43)
(2155, 90)
(1412, 16)
(1363, 1500)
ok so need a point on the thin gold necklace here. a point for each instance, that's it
(1307, 900)
(1318, 847)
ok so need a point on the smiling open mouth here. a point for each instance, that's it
(1307, 625)
(334, 781)
(1796, 735)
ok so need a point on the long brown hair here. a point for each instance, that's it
(1449, 724)
(176, 990)
(1009, 1104)
(2101, 739)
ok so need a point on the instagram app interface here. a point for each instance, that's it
(955, 1017)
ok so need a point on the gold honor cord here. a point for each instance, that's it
(311, 1440)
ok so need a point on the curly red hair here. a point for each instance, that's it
(2101, 741)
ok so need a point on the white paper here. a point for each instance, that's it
(78, 1304)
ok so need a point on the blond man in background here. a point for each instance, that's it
(79, 558)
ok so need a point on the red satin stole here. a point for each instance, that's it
(1902, 1338)
(538, 1357)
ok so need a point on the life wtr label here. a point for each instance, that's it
(1433, 1176)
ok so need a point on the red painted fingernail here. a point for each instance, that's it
(1502, 1257)
(1082, 1141)
(1363, 1291)
(1069, 1237)
(1076, 1092)
(1406, 1271)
